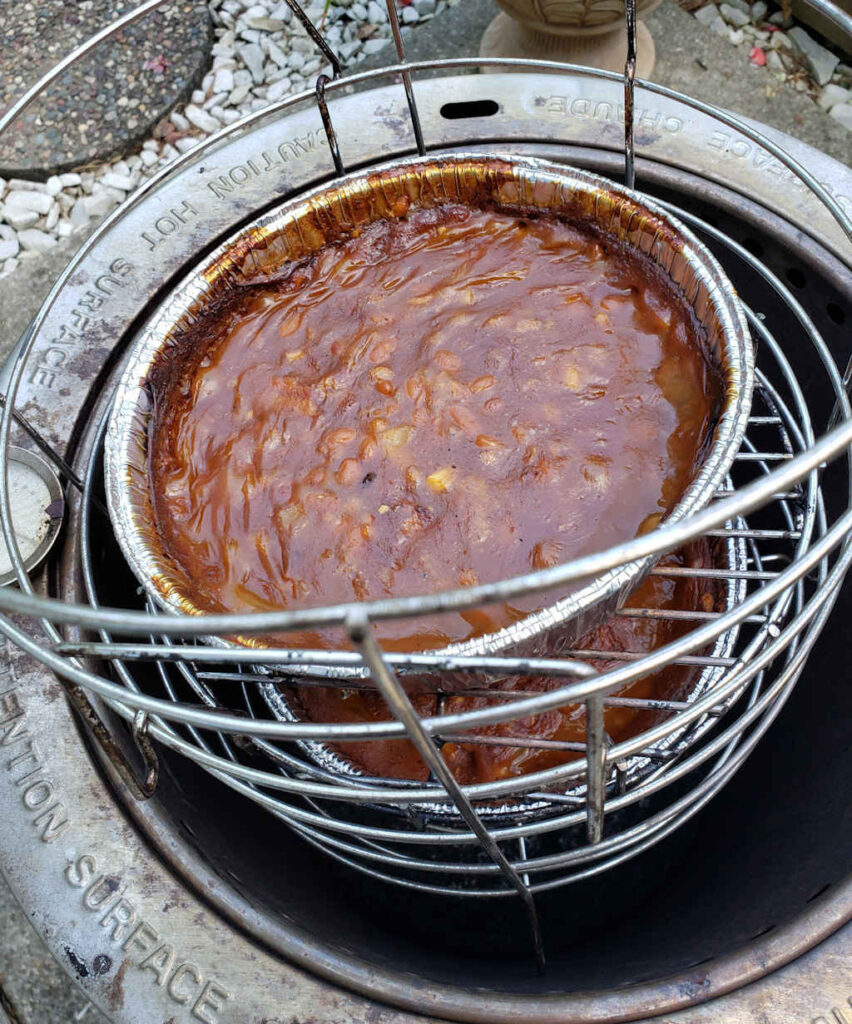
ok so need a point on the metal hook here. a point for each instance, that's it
(629, 76)
(146, 749)
(597, 744)
(317, 37)
(84, 708)
(393, 17)
(327, 124)
(387, 683)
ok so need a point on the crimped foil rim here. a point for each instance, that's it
(125, 439)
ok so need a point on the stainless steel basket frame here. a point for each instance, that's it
(790, 604)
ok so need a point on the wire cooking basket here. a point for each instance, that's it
(783, 553)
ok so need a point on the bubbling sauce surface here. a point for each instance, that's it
(446, 399)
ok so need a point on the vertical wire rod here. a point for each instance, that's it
(596, 750)
(328, 124)
(358, 627)
(629, 76)
(393, 17)
(316, 36)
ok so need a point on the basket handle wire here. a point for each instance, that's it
(388, 684)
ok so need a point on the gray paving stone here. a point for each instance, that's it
(117, 93)
(33, 987)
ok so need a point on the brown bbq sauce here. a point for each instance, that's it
(447, 399)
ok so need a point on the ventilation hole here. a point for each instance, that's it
(753, 246)
(818, 893)
(469, 108)
(796, 278)
(835, 313)
(764, 931)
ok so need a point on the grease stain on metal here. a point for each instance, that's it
(79, 965)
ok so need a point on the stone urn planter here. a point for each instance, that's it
(589, 32)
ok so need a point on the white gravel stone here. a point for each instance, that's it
(38, 201)
(9, 266)
(64, 228)
(376, 15)
(736, 35)
(238, 95)
(278, 90)
(424, 7)
(99, 205)
(33, 240)
(303, 45)
(179, 121)
(719, 26)
(151, 145)
(149, 157)
(54, 185)
(374, 45)
(18, 218)
(52, 219)
(9, 248)
(223, 80)
(114, 179)
(214, 101)
(774, 61)
(7, 232)
(832, 95)
(733, 16)
(348, 50)
(821, 62)
(266, 24)
(758, 11)
(276, 54)
(186, 143)
(707, 14)
(842, 113)
(80, 214)
(282, 13)
(253, 57)
(202, 119)
(23, 185)
(409, 15)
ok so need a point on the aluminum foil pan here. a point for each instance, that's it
(733, 556)
(301, 226)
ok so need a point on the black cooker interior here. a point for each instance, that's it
(776, 838)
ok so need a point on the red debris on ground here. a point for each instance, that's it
(757, 57)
